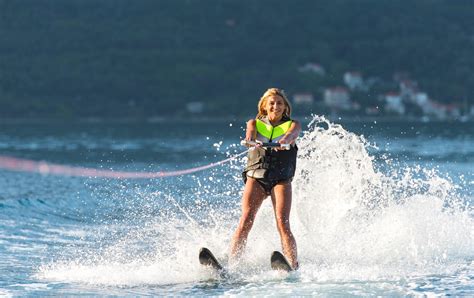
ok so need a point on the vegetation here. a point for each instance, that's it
(119, 58)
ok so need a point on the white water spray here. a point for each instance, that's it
(352, 221)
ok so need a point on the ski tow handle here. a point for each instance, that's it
(264, 145)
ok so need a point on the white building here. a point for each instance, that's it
(337, 98)
(421, 98)
(303, 98)
(394, 103)
(354, 80)
(441, 111)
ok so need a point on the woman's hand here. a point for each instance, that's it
(286, 139)
(291, 134)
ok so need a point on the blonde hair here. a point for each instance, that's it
(272, 92)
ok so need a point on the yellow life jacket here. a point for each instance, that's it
(268, 133)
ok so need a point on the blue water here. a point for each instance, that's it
(379, 209)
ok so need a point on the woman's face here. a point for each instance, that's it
(275, 107)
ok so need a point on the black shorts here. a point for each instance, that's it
(267, 184)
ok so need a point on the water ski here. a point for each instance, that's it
(206, 258)
(279, 262)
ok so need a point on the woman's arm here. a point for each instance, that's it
(292, 133)
(251, 133)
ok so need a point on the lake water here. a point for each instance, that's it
(379, 209)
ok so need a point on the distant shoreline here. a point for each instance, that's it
(154, 120)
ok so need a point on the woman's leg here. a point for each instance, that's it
(251, 201)
(281, 199)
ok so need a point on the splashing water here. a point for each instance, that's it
(353, 216)
(355, 219)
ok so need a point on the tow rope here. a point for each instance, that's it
(45, 168)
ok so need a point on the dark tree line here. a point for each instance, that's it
(118, 58)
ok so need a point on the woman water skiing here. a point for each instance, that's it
(269, 172)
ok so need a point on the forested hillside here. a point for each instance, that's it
(117, 58)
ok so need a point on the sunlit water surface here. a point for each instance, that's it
(378, 209)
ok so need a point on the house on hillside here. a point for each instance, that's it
(337, 98)
(303, 99)
(354, 80)
(420, 98)
(435, 109)
(312, 67)
(394, 103)
(441, 111)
